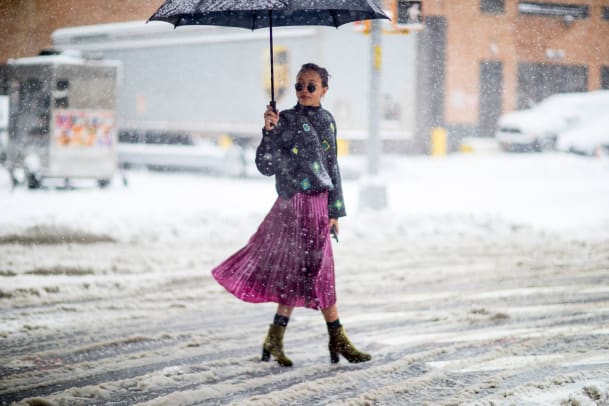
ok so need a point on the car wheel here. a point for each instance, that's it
(549, 144)
(33, 181)
(103, 183)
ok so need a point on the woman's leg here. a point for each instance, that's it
(284, 310)
(273, 343)
(330, 313)
(339, 342)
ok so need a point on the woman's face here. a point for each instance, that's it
(306, 81)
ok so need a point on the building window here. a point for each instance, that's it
(606, 13)
(605, 77)
(536, 81)
(553, 9)
(60, 94)
(409, 12)
(492, 6)
(491, 96)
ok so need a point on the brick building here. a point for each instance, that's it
(475, 58)
(27, 24)
(478, 58)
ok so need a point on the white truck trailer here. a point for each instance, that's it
(213, 81)
(61, 118)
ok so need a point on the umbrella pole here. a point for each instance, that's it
(273, 104)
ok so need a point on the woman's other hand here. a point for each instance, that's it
(270, 118)
(333, 223)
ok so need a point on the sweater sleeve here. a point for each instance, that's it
(266, 154)
(336, 204)
(271, 153)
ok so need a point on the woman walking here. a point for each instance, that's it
(289, 258)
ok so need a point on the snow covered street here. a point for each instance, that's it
(485, 281)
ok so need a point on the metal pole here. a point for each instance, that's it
(374, 140)
(372, 190)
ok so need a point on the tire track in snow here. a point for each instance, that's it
(512, 307)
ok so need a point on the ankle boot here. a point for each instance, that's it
(273, 345)
(340, 344)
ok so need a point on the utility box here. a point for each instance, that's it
(62, 118)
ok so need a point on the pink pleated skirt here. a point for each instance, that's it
(289, 258)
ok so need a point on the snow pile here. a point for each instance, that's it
(478, 193)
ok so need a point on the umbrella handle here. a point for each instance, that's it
(273, 105)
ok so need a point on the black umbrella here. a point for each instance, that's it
(253, 14)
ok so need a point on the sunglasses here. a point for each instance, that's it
(311, 88)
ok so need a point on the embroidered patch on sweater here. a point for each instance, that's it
(305, 184)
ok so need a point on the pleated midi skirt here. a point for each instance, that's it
(289, 258)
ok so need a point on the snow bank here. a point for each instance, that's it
(456, 194)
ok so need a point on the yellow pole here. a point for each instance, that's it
(439, 143)
(342, 147)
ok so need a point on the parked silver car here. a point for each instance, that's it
(181, 152)
(591, 138)
(538, 128)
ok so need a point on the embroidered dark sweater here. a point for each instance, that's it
(301, 152)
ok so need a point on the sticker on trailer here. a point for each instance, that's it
(83, 128)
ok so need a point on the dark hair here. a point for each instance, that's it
(323, 73)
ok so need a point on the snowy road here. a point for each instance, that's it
(460, 300)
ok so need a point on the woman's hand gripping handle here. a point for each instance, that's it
(271, 116)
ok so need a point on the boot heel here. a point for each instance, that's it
(334, 357)
(266, 356)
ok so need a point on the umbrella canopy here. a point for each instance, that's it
(254, 14)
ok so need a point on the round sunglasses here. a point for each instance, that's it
(311, 88)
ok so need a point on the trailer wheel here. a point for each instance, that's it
(103, 183)
(33, 181)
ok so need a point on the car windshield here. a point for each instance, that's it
(559, 103)
(584, 104)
